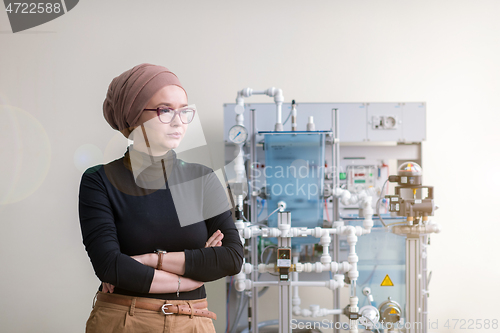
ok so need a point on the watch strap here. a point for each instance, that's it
(160, 259)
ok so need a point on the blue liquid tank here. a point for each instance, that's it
(295, 170)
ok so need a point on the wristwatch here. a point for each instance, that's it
(160, 258)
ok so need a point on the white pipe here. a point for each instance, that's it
(315, 311)
(364, 200)
(308, 267)
(278, 99)
(269, 268)
(348, 198)
(240, 119)
(353, 274)
(286, 231)
(262, 283)
(319, 267)
(326, 264)
(271, 92)
(330, 284)
(310, 283)
(239, 283)
(325, 242)
(239, 161)
(240, 201)
(353, 326)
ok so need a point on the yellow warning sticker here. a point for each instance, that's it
(387, 282)
(393, 311)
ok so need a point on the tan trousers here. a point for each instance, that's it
(113, 318)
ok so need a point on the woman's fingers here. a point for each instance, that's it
(107, 287)
(218, 240)
(211, 239)
(215, 239)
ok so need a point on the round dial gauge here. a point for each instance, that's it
(238, 134)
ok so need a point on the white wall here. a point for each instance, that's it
(56, 75)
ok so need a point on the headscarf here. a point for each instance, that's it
(129, 93)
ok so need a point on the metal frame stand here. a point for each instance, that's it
(336, 204)
(415, 285)
(254, 322)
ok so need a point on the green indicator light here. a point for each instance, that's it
(360, 181)
(342, 175)
(371, 174)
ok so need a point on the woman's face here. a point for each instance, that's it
(160, 136)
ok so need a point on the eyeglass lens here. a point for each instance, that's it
(167, 115)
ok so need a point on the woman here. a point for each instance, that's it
(154, 226)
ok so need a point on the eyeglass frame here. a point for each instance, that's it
(176, 111)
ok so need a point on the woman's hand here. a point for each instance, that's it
(107, 287)
(174, 262)
(215, 239)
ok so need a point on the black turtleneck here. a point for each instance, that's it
(126, 208)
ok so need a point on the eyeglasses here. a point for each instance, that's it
(166, 115)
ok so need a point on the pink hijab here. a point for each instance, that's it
(129, 93)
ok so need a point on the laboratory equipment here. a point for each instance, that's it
(308, 220)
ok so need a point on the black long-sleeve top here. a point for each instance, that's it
(119, 219)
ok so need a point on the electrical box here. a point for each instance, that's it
(360, 122)
(360, 177)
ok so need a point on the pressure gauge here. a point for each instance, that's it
(238, 134)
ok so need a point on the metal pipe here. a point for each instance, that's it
(337, 150)
(335, 214)
(253, 241)
(425, 283)
(293, 283)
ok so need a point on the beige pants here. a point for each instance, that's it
(113, 318)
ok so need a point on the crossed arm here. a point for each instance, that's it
(173, 265)
(138, 273)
